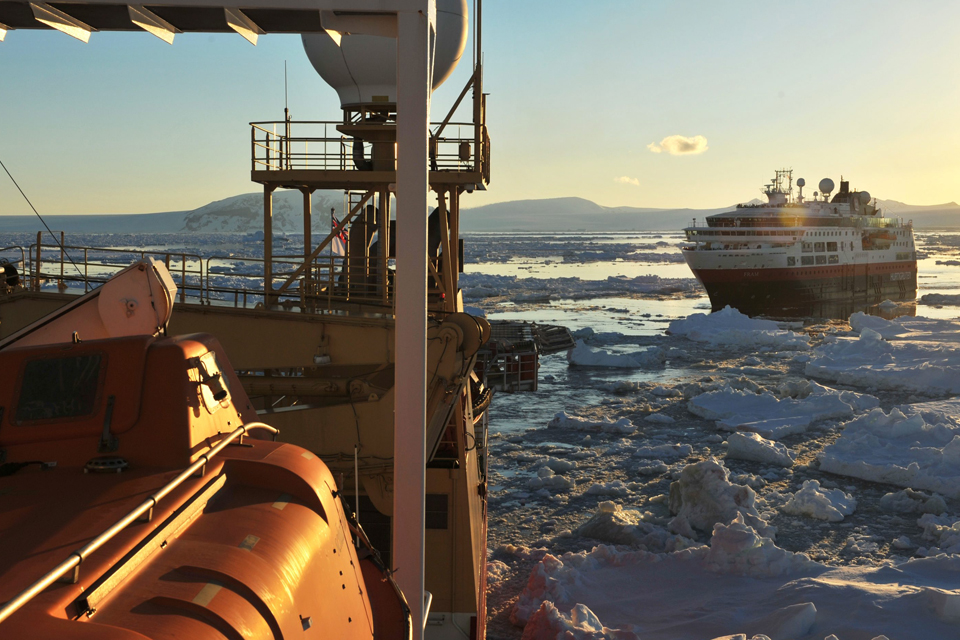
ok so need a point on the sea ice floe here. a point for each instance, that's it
(659, 418)
(897, 449)
(615, 525)
(649, 595)
(940, 299)
(674, 451)
(729, 328)
(910, 501)
(564, 421)
(753, 446)
(822, 504)
(548, 480)
(704, 496)
(943, 531)
(583, 355)
(652, 468)
(614, 488)
(774, 417)
(871, 361)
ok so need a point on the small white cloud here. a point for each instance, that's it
(627, 180)
(680, 145)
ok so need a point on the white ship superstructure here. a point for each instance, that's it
(790, 252)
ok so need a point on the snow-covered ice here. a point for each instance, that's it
(871, 361)
(898, 449)
(823, 504)
(775, 417)
(729, 328)
(606, 425)
(704, 496)
(583, 355)
(752, 446)
(742, 583)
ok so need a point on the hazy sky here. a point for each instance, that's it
(587, 99)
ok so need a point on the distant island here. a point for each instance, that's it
(244, 213)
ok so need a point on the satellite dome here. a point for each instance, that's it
(363, 68)
(801, 182)
(826, 186)
(865, 197)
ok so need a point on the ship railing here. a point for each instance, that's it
(67, 267)
(319, 146)
(144, 512)
(326, 283)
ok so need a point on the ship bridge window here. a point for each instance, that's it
(831, 246)
(818, 247)
(56, 388)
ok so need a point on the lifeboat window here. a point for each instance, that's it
(831, 246)
(55, 388)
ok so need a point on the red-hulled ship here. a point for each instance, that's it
(792, 253)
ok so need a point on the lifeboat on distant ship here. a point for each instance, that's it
(138, 501)
(877, 240)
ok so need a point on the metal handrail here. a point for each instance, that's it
(72, 562)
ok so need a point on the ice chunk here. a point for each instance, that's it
(896, 449)
(823, 504)
(614, 525)
(655, 467)
(659, 418)
(546, 479)
(563, 421)
(704, 496)
(737, 548)
(664, 451)
(612, 488)
(730, 328)
(871, 361)
(910, 501)
(583, 355)
(774, 417)
(752, 446)
(580, 624)
(942, 530)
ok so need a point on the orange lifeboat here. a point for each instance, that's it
(140, 499)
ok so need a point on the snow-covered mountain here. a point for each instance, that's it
(244, 213)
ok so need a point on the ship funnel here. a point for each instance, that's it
(363, 68)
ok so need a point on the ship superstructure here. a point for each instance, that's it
(791, 253)
(357, 357)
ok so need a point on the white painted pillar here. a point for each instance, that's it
(414, 81)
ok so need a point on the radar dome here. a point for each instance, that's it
(865, 197)
(801, 182)
(826, 186)
(363, 68)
